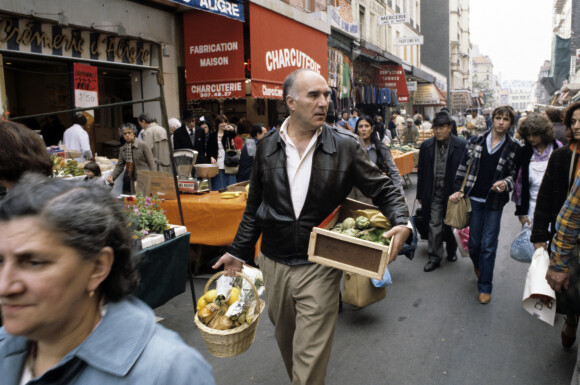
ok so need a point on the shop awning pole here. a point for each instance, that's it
(161, 82)
(74, 110)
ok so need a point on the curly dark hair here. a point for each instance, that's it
(568, 119)
(102, 223)
(536, 124)
(21, 150)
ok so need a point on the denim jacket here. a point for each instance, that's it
(127, 347)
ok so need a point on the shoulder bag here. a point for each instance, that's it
(231, 159)
(457, 214)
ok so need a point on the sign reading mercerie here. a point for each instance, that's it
(397, 18)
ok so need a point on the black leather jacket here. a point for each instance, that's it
(339, 163)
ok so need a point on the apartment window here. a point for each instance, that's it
(390, 3)
(373, 31)
(362, 22)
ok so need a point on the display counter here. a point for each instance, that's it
(163, 270)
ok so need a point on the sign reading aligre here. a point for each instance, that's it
(229, 8)
(214, 62)
(289, 46)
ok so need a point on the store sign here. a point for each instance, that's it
(274, 58)
(214, 62)
(393, 76)
(409, 40)
(341, 18)
(33, 36)
(229, 8)
(427, 95)
(86, 85)
(412, 86)
(397, 18)
(460, 99)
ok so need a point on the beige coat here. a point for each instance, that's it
(142, 158)
(155, 137)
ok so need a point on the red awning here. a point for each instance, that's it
(214, 56)
(279, 46)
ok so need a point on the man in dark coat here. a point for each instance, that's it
(190, 136)
(439, 158)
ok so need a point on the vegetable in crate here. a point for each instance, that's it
(362, 223)
(348, 223)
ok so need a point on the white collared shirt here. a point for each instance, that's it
(298, 168)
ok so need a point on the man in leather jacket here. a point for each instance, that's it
(301, 173)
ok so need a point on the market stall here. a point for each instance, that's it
(210, 219)
(163, 271)
(404, 162)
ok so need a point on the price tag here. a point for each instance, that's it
(169, 234)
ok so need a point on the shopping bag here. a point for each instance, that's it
(457, 214)
(521, 248)
(386, 281)
(359, 291)
(536, 284)
(462, 240)
(421, 223)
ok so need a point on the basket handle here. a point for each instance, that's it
(239, 274)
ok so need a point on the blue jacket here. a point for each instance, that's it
(127, 347)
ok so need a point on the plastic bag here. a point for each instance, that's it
(386, 281)
(462, 239)
(522, 249)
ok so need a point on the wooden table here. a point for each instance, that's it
(210, 219)
(404, 164)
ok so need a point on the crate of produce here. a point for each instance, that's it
(357, 251)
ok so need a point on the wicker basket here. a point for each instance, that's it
(231, 342)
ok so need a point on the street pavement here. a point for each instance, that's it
(430, 329)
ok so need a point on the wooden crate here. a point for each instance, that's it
(346, 253)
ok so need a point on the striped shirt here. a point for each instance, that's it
(567, 231)
(505, 171)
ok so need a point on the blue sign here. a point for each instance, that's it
(233, 9)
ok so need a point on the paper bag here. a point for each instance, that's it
(536, 284)
(360, 292)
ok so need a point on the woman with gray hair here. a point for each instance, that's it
(65, 285)
(134, 156)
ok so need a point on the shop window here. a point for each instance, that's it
(44, 86)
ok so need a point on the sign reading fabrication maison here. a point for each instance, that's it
(214, 62)
(36, 37)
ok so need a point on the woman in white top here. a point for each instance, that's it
(221, 138)
(538, 135)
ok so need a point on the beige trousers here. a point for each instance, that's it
(303, 306)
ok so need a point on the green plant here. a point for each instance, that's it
(146, 215)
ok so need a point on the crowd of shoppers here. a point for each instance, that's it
(299, 172)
